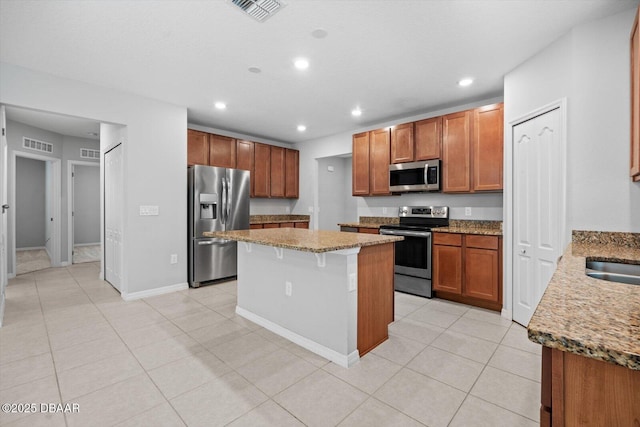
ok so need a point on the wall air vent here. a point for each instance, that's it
(259, 10)
(88, 153)
(34, 144)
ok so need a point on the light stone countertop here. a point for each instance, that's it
(591, 317)
(487, 228)
(305, 240)
(371, 221)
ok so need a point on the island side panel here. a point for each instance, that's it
(321, 307)
(375, 295)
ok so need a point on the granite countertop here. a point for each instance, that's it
(305, 240)
(371, 222)
(591, 317)
(488, 228)
(274, 219)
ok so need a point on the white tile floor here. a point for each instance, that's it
(187, 359)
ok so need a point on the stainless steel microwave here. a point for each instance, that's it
(414, 176)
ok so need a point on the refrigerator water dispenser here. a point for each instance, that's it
(208, 206)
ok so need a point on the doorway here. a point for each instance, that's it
(538, 205)
(83, 188)
(335, 204)
(35, 219)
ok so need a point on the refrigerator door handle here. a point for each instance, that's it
(224, 200)
(229, 193)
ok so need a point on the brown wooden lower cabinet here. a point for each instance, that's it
(375, 295)
(280, 225)
(467, 268)
(580, 391)
(368, 230)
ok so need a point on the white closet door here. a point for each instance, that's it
(113, 203)
(537, 210)
(3, 215)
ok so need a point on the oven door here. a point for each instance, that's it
(413, 254)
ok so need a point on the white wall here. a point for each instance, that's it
(155, 150)
(485, 206)
(590, 67)
(332, 193)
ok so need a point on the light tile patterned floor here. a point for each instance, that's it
(187, 359)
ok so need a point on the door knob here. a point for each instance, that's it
(523, 251)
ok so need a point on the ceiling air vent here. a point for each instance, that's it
(259, 10)
(34, 144)
(88, 153)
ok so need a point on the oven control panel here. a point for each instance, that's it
(424, 211)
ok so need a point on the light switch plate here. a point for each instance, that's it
(149, 210)
(287, 288)
(174, 258)
(467, 211)
(353, 282)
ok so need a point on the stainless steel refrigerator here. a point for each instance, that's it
(218, 201)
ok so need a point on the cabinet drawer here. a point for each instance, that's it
(482, 242)
(301, 225)
(368, 230)
(286, 225)
(450, 239)
(255, 226)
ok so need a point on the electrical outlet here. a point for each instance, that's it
(467, 211)
(330, 168)
(353, 282)
(384, 211)
(310, 209)
(287, 288)
(149, 210)
(287, 209)
(174, 258)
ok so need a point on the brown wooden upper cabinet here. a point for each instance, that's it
(635, 99)
(402, 143)
(472, 147)
(416, 141)
(222, 151)
(360, 164)
(487, 145)
(244, 153)
(380, 152)
(428, 138)
(292, 173)
(277, 171)
(456, 152)
(197, 148)
(262, 170)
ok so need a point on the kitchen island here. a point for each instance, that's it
(590, 330)
(328, 291)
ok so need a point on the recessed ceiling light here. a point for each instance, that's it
(465, 82)
(356, 112)
(319, 33)
(302, 128)
(220, 105)
(254, 70)
(301, 63)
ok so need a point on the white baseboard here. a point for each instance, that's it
(1, 310)
(506, 314)
(86, 244)
(64, 264)
(339, 359)
(11, 275)
(154, 292)
(32, 249)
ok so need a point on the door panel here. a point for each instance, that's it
(3, 212)
(537, 210)
(113, 217)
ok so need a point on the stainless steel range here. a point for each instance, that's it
(413, 254)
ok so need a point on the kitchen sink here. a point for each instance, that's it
(614, 272)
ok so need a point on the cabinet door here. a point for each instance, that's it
(635, 99)
(380, 152)
(222, 151)
(428, 138)
(481, 274)
(456, 152)
(447, 269)
(277, 171)
(244, 153)
(360, 165)
(487, 146)
(261, 170)
(292, 175)
(402, 149)
(197, 148)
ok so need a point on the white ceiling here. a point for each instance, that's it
(392, 58)
(64, 125)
